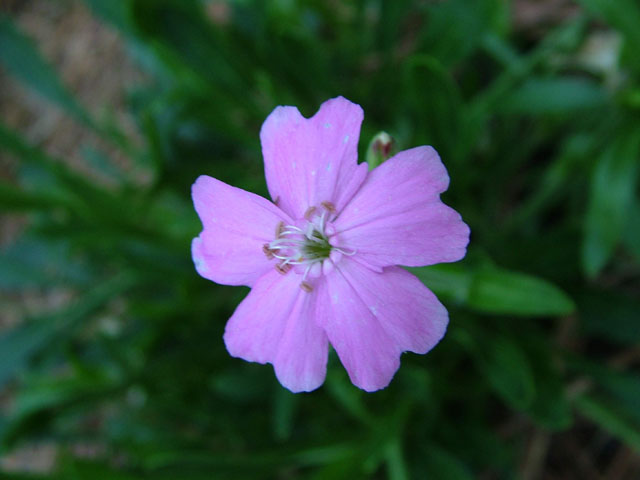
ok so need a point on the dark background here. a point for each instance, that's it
(112, 363)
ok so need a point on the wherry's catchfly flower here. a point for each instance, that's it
(322, 258)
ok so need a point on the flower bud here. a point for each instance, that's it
(379, 149)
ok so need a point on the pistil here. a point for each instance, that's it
(309, 246)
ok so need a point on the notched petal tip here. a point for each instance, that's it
(372, 318)
(398, 218)
(310, 160)
(274, 324)
(282, 116)
(341, 109)
(462, 239)
(432, 164)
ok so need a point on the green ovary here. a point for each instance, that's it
(317, 250)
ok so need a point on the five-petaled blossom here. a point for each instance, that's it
(322, 259)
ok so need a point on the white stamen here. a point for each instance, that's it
(291, 229)
(306, 272)
(344, 252)
(322, 217)
(310, 246)
(309, 231)
(313, 238)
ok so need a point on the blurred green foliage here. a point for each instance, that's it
(543, 150)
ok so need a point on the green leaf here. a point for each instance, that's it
(632, 233)
(116, 13)
(613, 184)
(438, 463)
(284, 409)
(610, 315)
(621, 387)
(240, 385)
(455, 29)
(494, 290)
(179, 32)
(449, 281)
(394, 458)
(46, 391)
(347, 397)
(78, 469)
(508, 370)
(42, 174)
(20, 57)
(101, 163)
(264, 461)
(33, 262)
(610, 419)
(12, 142)
(85, 198)
(624, 15)
(433, 90)
(550, 407)
(563, 169)
(16, 199)
(505, 292)
(20, 343)
(554, 96)
(481, 109)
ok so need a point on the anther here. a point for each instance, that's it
(306, 286)
(310, 211)
(267, 251)
(329, 206)
(283, 268)
(279, 229)
(277, 201)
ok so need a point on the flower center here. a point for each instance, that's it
(317, 246)
(308, 246)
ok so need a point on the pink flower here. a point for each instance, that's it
(321, 260)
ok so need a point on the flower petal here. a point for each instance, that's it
(397, 217)
(236, 226)
(371, 318)
(309, 161)
(275, 324)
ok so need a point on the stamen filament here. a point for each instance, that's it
(306, 272)
(344, 252)
(307, 245)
